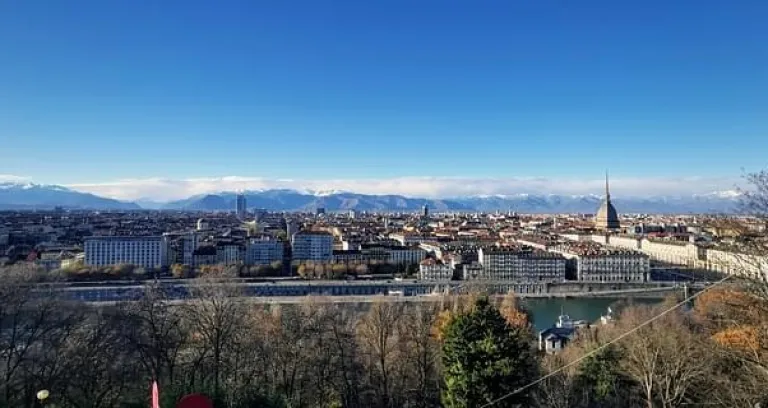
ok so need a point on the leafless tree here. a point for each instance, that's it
(215, 316)
(665, 357)
(154, 330)
(377, 333)
(419, 352)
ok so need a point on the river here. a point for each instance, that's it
(546, 311)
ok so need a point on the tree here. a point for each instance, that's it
(216, 317)
(155, 332)
(377, 333)
(419, 351)
(665, 357)
(485, 359)
(513, 313)
(601, 381)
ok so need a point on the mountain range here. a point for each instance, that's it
(35, 196)
(29, 196)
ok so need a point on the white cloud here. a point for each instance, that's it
(161, 189)
(5, 178)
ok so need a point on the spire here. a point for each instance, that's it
(607, 190)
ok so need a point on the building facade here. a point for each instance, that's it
(240, 206)
(405, 256)
(263, 251)
(430, 269)
(229, 254)
(520, 265)
(147, 251)
(312, 246)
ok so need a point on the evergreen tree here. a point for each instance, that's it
(485, 359)
(601, 380)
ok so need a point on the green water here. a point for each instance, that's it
(546, 311)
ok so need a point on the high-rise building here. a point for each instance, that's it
(147, 251)
(607, 218)
(240, 207)
(319, 211)
(425, 211)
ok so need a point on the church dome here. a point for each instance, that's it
(607, 217)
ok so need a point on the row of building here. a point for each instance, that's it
(586, 262)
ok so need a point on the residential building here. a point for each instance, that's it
(312, 246)
(229, 253)
(596, 263)
(430, 269)
(521, 265)
(205, 255)
(263, 251)
(144, 251)
(190, 242)
(405, 255)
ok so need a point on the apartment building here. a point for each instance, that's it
(430, 269)
(596, 263)
(263, 251)
(520, 264)
(229, 254)
(405, 255)
(312, 246)
(144, 251)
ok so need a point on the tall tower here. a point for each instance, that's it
(240, 205)
(425, 211)
(607, 218)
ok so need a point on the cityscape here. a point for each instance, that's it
(383, 204)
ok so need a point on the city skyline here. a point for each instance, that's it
(382, 91)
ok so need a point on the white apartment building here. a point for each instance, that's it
(734, 263)
(613, 267)
(678, 253)
(429, 269)
(596, 263)
(147, 252)
(312, 246)
(263, 251)
(520, 265)
(405, 256)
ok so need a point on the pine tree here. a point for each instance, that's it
(485, 359)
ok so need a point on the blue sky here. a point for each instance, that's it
(97, 91)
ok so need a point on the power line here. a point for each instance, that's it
(602, 346)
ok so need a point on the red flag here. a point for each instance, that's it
(155, 395)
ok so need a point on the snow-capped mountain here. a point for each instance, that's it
(39, 196)
(29, 196)
(291, 200)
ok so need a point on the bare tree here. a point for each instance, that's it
(419, 351)
(154, 330)
(664, 357)
(377, 334)
(215, 315)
